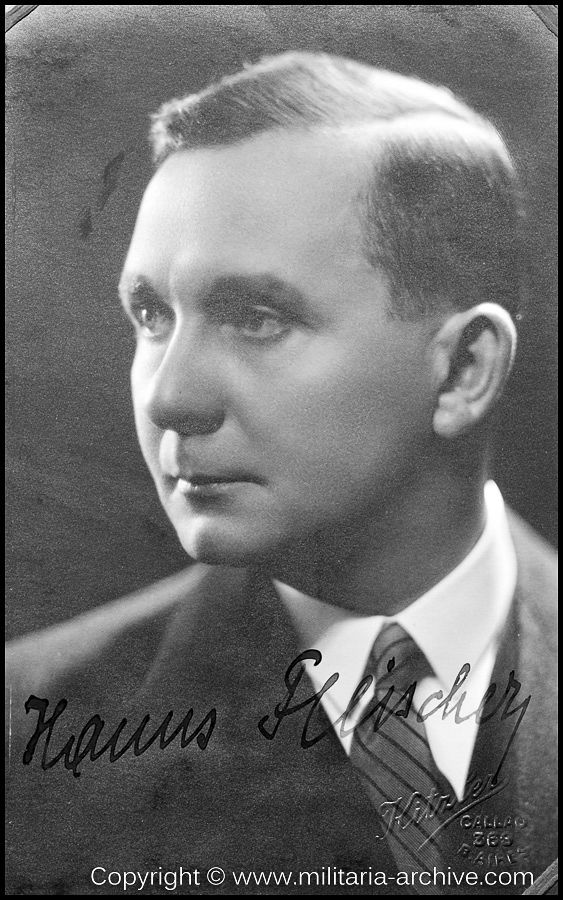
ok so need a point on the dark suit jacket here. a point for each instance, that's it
(217, 638)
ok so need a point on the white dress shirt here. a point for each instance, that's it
(457, 621)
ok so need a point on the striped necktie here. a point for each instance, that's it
(392, 754)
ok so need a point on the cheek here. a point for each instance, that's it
(353, 442)
(350, 409)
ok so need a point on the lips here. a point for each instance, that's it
(215, 484)
(197, 480)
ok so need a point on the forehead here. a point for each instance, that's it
(279, 194)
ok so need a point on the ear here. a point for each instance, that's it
(472, 356)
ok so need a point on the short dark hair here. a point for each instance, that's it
(442, 211)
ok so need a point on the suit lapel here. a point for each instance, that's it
(523, 670)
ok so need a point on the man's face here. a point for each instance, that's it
(274, 396)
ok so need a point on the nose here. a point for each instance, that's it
(184, 392)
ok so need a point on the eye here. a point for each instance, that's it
(151, 317)
(259, 323)
(250, 321)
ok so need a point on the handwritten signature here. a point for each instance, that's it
(77, 749)
(397, 813)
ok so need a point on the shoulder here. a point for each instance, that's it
(533, 550)
(537, 575)
(122, 636)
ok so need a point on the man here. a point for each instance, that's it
(322, 279)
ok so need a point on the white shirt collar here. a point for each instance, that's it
(453, 623)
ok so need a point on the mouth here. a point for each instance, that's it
(210, 486)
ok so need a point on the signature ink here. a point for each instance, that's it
(292, 679)
(511, 692)
(384, 708)
(77, 749)
(284, 709)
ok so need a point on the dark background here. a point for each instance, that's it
(83, 522)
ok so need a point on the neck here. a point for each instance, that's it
(379, 564)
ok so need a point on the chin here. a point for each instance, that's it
(217, 546)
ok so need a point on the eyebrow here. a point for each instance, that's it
(138, 288)
(270, 286)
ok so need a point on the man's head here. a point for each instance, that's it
(318, 276)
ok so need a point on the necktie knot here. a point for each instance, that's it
(396, 660)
